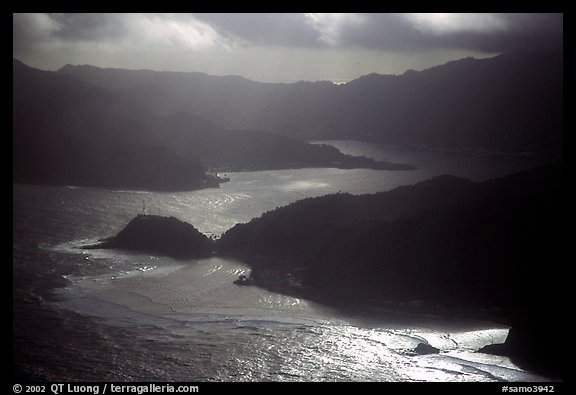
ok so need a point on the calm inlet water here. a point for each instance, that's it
(111, 315)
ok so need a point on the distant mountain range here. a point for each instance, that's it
(72, 132)
(84, 125)
(512, 102)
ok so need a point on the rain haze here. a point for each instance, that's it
(276, 47)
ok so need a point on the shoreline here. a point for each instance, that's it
(379, 166)
(409, 310)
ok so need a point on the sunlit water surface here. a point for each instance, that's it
(112, 315)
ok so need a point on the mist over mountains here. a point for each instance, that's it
(70, 132)
(84, 125)
(512, 103)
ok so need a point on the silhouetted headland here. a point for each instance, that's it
(425, 349)
(159, 235)
(531, 342)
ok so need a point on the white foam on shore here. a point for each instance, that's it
(198, 300)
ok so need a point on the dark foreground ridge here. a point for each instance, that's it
(166, 236)
(492, 249)
(528, 344)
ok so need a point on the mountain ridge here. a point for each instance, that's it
(68, 131)
(511, 102)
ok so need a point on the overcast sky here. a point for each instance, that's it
(276, 47)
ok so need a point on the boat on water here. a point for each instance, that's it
(243, 280)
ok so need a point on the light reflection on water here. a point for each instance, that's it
(187, 321)
(304, 185)
(278, 337)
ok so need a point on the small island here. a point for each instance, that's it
(243, 280)
(167, 236)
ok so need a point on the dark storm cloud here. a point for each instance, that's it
(387, 32)
(36, 30)
(518, 32)
(528, 31)
(394, 32)
(125, 31)
(480, 32)
(30, 29)
(265, 29)
(89, 27)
